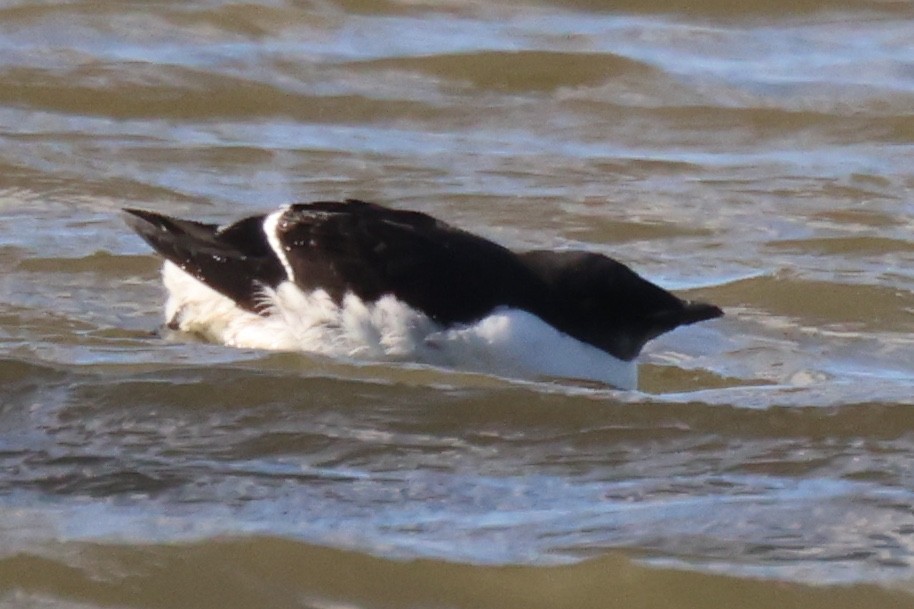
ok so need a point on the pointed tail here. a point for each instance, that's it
(174, 239)
(235, 261)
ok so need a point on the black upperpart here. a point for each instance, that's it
(450, 275)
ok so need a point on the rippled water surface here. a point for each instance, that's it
(759, 157)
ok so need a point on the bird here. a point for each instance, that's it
(363, 281)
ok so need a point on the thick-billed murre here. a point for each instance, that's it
(357, 279)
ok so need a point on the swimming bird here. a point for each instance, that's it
(357, 279)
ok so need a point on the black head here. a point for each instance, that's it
(604, 303)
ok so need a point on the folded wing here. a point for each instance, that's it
(369, 250)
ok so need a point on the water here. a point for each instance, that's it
(758, 157)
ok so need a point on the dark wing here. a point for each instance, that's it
(369, 250)
(236, 261)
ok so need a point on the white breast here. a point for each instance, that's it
(508, 342)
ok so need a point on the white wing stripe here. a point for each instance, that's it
(270, 229)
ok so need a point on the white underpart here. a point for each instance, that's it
(270, 230)
(508, 342)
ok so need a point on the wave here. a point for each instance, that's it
(521, 70)
(271, 572)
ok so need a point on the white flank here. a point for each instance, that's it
(509, 342)
(194, 307)
(270, 230)
(513, 342)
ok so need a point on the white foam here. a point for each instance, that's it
(508, 342)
